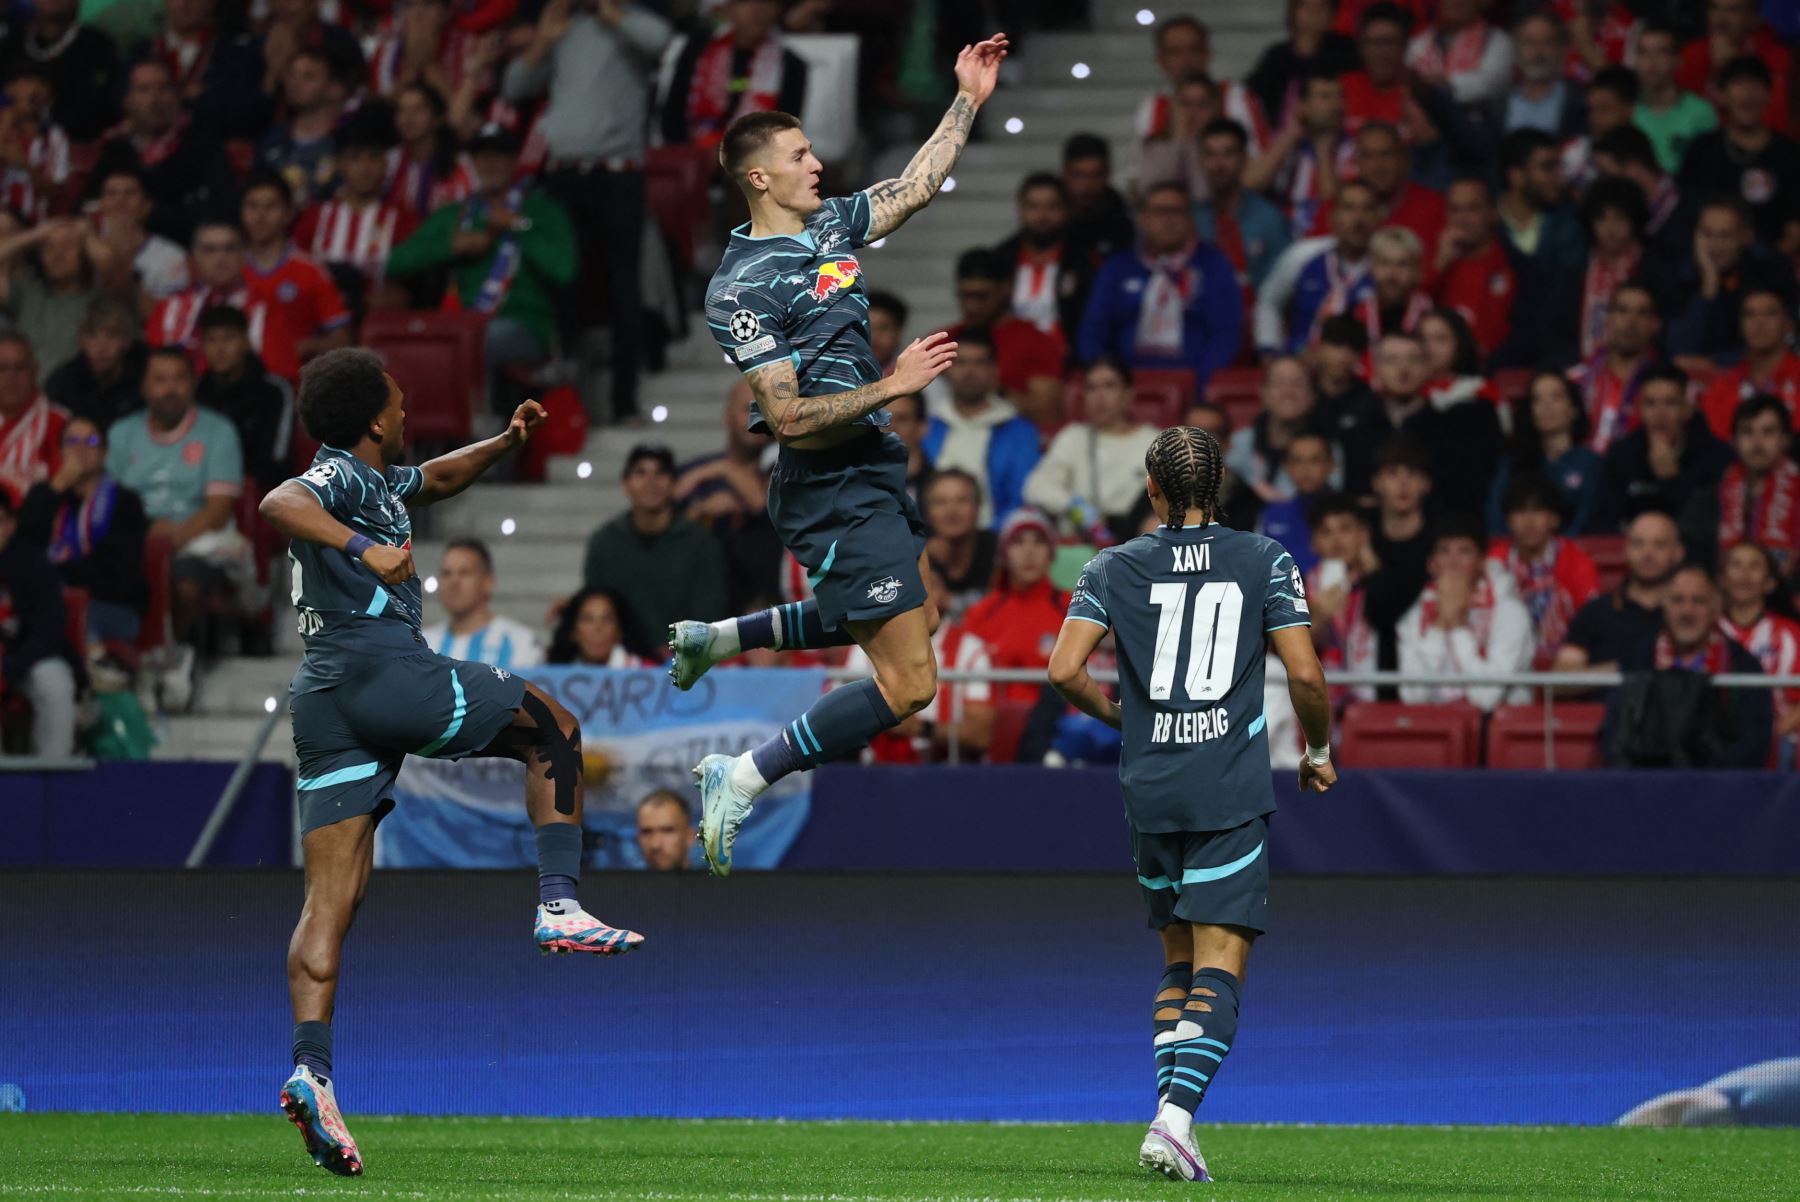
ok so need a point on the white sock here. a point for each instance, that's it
(1176, 1121)
(745, 778)
(725, 642)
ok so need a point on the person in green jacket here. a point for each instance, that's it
(509, 249)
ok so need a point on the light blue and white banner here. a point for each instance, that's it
(638, 734)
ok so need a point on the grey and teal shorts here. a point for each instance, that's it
(351, 739)
(847, 517)
(1218, 877)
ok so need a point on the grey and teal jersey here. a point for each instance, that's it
(349, 619)
(1190, 611)
(799, 297)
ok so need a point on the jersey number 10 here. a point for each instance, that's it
(1212, 653)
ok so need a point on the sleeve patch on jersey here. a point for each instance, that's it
(321, 473)
(751, 350)
(1300, 593)
(744, 326)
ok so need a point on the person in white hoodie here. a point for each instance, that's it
(973, 429)
(1468, 622)
(1088, 479)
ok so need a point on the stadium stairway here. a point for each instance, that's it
(540, 560)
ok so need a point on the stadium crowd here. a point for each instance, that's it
(1492, 305)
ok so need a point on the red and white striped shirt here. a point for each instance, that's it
(456, 55)
(1775, 642)
(1236, 101)
(31, 446)
(175, 321)
(419, 190)
(362, 236)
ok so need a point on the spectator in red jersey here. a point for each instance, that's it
(961, 548)
(1378, 92)
(1735, 29)
(1769, 364)
(425, 171)
(1670, 458)
(294, 25)
(31, 427)
(1550, 441)
(291, 284)
(184, 170)
(422, 45)
(1183, 50)
(237, 385)
(220, 279)
(79, 61)
(1021, 615)
(1601, 32)
(1553, 576)
(101, 382)
(746, 68)
(1615, 214)
(1304, 162)
(1608, 380)
(1759, 498)
(1746, 157)
(217, 73)
(1547, 249)
(159, 264)
(353, 232)
(1472, 272)
(1312, 49)
(1758, 617)
(1051, 275)
(1173, 155)
(887, 327)
(302, 148)
(35, 148)
(1543, 96)
(1384, 164)
(1462, 53)
(1029, 361)
(1627, 153)
(67, 267)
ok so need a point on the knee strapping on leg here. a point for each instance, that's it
(558, 750)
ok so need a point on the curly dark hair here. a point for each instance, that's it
(341, 392)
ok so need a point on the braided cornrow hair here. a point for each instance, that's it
(1187, 464)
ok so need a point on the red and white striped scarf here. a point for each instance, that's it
(1596, 294)
(1550, 604)
(1036, 279)
(362, 236)
(1480, 618)
(713, 102)
(1432, 54)
(1172, 280)
(1771, 519)
(25, 455)
(1712, 659)
(1300, 188)
(1368, 311)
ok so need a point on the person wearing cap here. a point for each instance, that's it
(1020, 617)
(663, 566)
(509, 248)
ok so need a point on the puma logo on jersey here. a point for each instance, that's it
(1196, 557)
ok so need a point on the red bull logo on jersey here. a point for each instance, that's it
(835, 276)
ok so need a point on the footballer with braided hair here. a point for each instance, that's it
(1192, 607)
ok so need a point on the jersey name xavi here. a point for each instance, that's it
(349, 619)
(799, 297)
(1191, 611)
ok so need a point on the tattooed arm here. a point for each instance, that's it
(793, 417)
(892, 201)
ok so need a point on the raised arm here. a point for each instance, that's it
(892, 201)
(776, 387)
(294, 510)
(449, 474)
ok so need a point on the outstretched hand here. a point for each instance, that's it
(923, 361)
(978, 67)
(525, 421)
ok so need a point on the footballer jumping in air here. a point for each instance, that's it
(788, 308)
(370, 692)
(1190, 607)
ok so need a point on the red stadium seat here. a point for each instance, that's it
(1608, 553)
(1513, 383)
(437, 358)
(676, 182)
(564, 432)
(1162, 398)
(1009, 727)
(1515, 737)
(75, 607)
(1385, 734)
(1238, 391)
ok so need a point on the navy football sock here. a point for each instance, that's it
(1203, 1038)
(312, 1048)
(837, 724)
(794, 626)
(559, 866)
(1177, 979)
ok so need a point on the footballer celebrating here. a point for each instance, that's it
(787, 305)
(1191, 606)
(370, 692)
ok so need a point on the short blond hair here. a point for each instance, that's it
(1397, 240)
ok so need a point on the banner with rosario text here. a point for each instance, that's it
(639, 734)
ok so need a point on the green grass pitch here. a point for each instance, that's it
(173, 1156)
